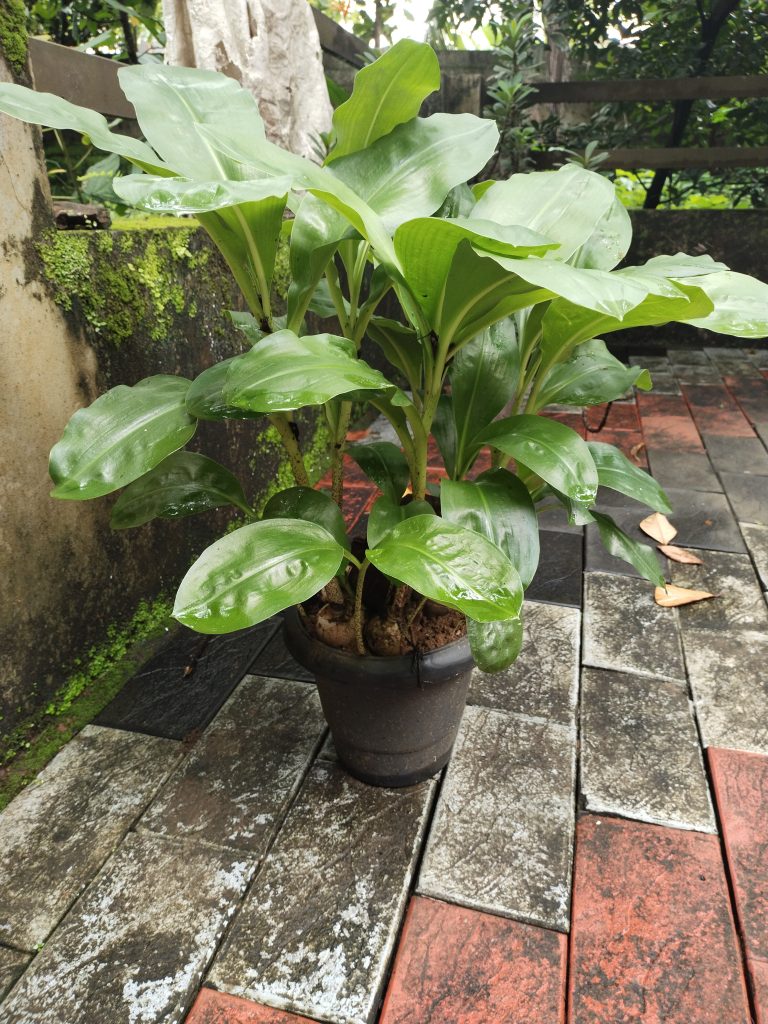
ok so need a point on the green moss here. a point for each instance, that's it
(13, 33)
(281, 276)
(268, 450)
(151, 222)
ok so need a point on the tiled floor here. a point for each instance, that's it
(596, 852)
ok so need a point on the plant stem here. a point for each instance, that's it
(285, 429)
(358, 619)
(337, 456)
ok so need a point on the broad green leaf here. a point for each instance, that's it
(740, 305)
(254, 573)
(484, 375)
(205, 398)
(565, 205)
(495, 645)
(317, 231)
(609, 242)
(551, 450)
(182, 485)
(387, 513)
(385, 464)
(444, 432)
(386, 93)
(499, 506)
(618, 544)
(248, 325)
(591, 376)
(680, 266)
(184, 195)
(123, 434)
(400, 346)
(54, 112)
(615, 471)
(311, 506)
(458, 203)
(452, 565)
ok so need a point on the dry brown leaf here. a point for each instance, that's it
(680, 554)
(658, 527)
(672, 596)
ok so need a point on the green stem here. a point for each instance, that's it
(282, 424)
(256, 262)
(337, 457)
(332, 277)
(358, 617)
(218, 232)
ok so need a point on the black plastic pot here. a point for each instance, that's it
(393, 720)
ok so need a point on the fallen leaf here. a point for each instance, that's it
(672, 596)
(635, 450)
(658, 527)
(680, 554)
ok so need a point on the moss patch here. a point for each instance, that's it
(13, 33)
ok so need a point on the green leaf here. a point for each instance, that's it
(182, 485)
(205, 398)
(618, 544)
(285, 372)
(184, 195)
(444, 432)
(551, 450)
(119, 437)
(591, 376)
(385, 464)
(495, 645)
(317, 231)
(387, 513)
(498, 506)
(740, 305)
(615, 471)
(400, 346)
(311, 506)
(386, 93)
(254, 573)
(452, 565)
(609, 242)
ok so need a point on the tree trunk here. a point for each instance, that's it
(271, 47)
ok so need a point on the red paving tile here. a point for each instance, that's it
(759, 972)
(715, 411)
(667, 423)
(741, 791)
(751, 393)
(629, 441)
(357, 500)
(574, 420)
(458, 966)
(621, 416)
(213, 1007)
(652, 935)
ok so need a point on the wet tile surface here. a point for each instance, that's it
(135, 945)
(58, 831)
(739, 602)
(640, 754)
(756, 539)
(747, 455)
(752, 397)
(543, 682)
(501, 839)
(179, 691)
(598, 559)
(12, 964)
(275, 660)
(458, 966)
(235, 786)
(558, 577)
(683, 470)
(219, 1008)
(715, 411)
(704, 521)
(748, 496)
(652, 936)
(316, 931)
(667, 423)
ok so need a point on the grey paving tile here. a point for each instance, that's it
(756, 538)
(696, 374)
(554, 517)
(688, 357)
(610, 500)
(739, 603)
(543, 682)
(737, 454)
(178, 692)
(640, 753)
(758, 355)
(625, 630)
(558, 577)
(762, 430)
(691, 471)
(58, 831)
(665, 382)
(748, 496)
(502, 836)
(12, 965)
(650, 362)
(236, 784)
(316, 932)
(730, 687)
(597, 559)
(275, 661)
(704, 521)
(731, 361)
(135, 945)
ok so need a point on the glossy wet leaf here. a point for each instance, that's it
(616, 472)
(123, 434)
(387, 513)
(311, 506)
(609, 242)
(385, 464)
(659, 528)
(444, 433)
(495, 645)
(670, 596)
(205, 398)
(255, 572)
(618, 544)
(453, 565)
(182, 485)
(591, 376)
(400, 346)
(682, 555)
(740, 305)
(184, 195)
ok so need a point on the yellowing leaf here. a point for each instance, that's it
(680, 554)
(659, 527)
(672, 596)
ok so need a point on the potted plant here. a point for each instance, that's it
(504, 290)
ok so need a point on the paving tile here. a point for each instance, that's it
(737, 455)
(665, 383)
(690, 471)
(739, 603)
(696, 374)
(219, 1008)
(715, 411)
(625, 630)
(179, 691)
(558, 577)
(758, 355)
(652, 937)
(275, 661)
(704, 520)
(730, 360)
(758, 970)
(502, 835)
(640, 754)
(58, 831)
(12, 964)
(134, 947)
(620, 416)
(236, 784)
(667, 422)
(752, 397)
(571, 419)
(756, 539)
(630, 442)
(762, 430)
(458, 966)
(554, 517)
(544, 681)
(688, 357)
(356, 501)
(748, 496)
(597, 559)
(650, 362)
(316, 932)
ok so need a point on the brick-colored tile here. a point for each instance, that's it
(357, 500)
(621, 416)
(758, 971)
(715, 411)
(752, 396)
(218, 1008)
(460, 966)
(628, 441)
(667, 423)
(652, 937)
(574, 420)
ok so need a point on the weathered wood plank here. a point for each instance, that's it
(685, 157)
(336, 40)
(645, 90)
(81, 78)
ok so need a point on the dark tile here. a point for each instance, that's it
(737, 454)
(613, 500)
(165, 698)
(715, 411)
(691, 471)
(627, 519)
(664, 383)
(739, 603)
(688, 357)
(650, 362)
(748, 496)
(704, 520)
(667, 422)
(696, 374)
(275, 661)
(558, 577)
(554, 517)
(752, 396)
